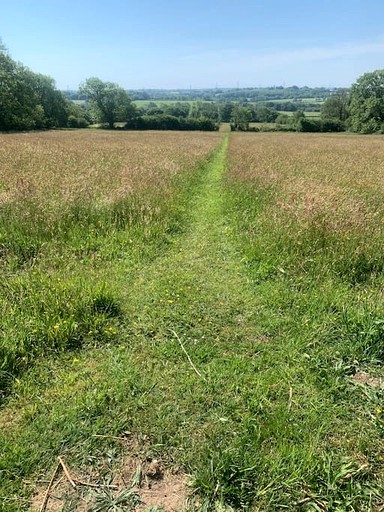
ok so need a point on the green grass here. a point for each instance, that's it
(213, 346)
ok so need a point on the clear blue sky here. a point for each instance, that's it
(196, 43)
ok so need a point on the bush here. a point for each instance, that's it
(77, 122)
(320, 125)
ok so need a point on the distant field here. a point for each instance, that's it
(307, 114)
(299, 100)
(191, 314)
(144, 103)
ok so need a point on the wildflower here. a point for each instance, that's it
(56, 326)
(75, 360)
(378, 410)
(122, 347)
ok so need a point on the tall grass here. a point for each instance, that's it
(262, 290)
(309, 216)
(66, 187)
(318, 202)
(71, 203)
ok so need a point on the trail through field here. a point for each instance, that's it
(201, 281)
(236, 396)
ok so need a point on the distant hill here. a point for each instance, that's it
(250, 94)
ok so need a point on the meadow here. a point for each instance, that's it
(191, 321)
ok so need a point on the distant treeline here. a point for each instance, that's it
(218, 112)
(30, 101)
(252, 94)
(359, 109)
(169, 122)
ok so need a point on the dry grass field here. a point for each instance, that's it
(94, 165)
(325, 190)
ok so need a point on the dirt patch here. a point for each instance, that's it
(158, 486)
(369, 380)
(142, 484)
(61, 497)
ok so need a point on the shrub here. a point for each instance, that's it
(320, 125)
(77, 122)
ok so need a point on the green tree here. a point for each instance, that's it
(241, 117)
(367, 103)
(263, 114)
(19, 107)
(53, 102)
(336, 106)
(109, 101)
(226, 110)
(28, 100)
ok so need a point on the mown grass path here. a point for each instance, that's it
(194, 300)
(198, 300)
(261, 427)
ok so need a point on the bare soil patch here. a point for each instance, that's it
(152, 485)
(369, 380)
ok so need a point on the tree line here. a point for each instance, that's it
(359, 109)
(30, 100)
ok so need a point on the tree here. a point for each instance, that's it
(367, 103)
(241, 117)
(28, 100)
(19, 107)
(263, 114)
(3, 48)
(226, 110)
(336, 106)
(108, 100)
(54, 104)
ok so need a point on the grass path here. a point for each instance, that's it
(191, 302)
(259, 426)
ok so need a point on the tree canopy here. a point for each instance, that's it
(29, 100)
(241, 117)
(336, 106)
(367, 103)
(110, 102)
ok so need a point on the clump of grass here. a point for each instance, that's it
(45, 316)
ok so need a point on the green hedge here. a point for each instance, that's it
(167, 122)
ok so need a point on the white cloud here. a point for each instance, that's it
(262, 59)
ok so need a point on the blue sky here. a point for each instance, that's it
(182, 44)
